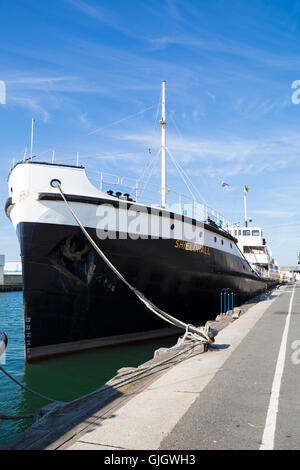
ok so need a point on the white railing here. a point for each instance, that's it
(147, 193)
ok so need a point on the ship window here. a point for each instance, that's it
(246, 233)
(255, 233)
(240, 232)
(215, 239)
(222, 241)
(172, 227)
(230, 245)
(257, 250)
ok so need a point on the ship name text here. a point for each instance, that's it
(189, 246)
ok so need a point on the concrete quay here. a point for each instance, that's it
(11, 284)
(243, 393)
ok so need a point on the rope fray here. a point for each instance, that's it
(203, 334)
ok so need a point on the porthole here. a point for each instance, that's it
(172, 227)
(55, 183)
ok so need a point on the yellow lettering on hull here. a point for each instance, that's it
(189, 246)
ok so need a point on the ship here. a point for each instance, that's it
(179, 255)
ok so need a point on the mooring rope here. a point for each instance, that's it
(15, 418)
(202, 333)
(125, 379)
(27, 388)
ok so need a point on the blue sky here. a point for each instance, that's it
(79, 65)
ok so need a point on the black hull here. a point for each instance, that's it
(73, 301)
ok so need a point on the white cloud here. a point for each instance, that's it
(99, 13)
(274, 213)
(40, 80)
(230, 157)
(84, 120)
(32, 105)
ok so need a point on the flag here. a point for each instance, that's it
(225, 185)
(247, 189)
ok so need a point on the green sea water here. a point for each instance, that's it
(63, 378)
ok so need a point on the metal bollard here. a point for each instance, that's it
(226, 300)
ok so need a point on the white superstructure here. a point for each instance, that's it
(254, 247)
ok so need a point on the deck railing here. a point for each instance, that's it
(147, 193)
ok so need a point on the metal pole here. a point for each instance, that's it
(32, 137)
(163, 146)
(245, 206)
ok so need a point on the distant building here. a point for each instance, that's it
(290, 272)
(11, 278)
(13, 268)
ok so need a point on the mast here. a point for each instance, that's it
(163, 146)
(245, 206)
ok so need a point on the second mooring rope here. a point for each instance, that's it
(202, 333)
